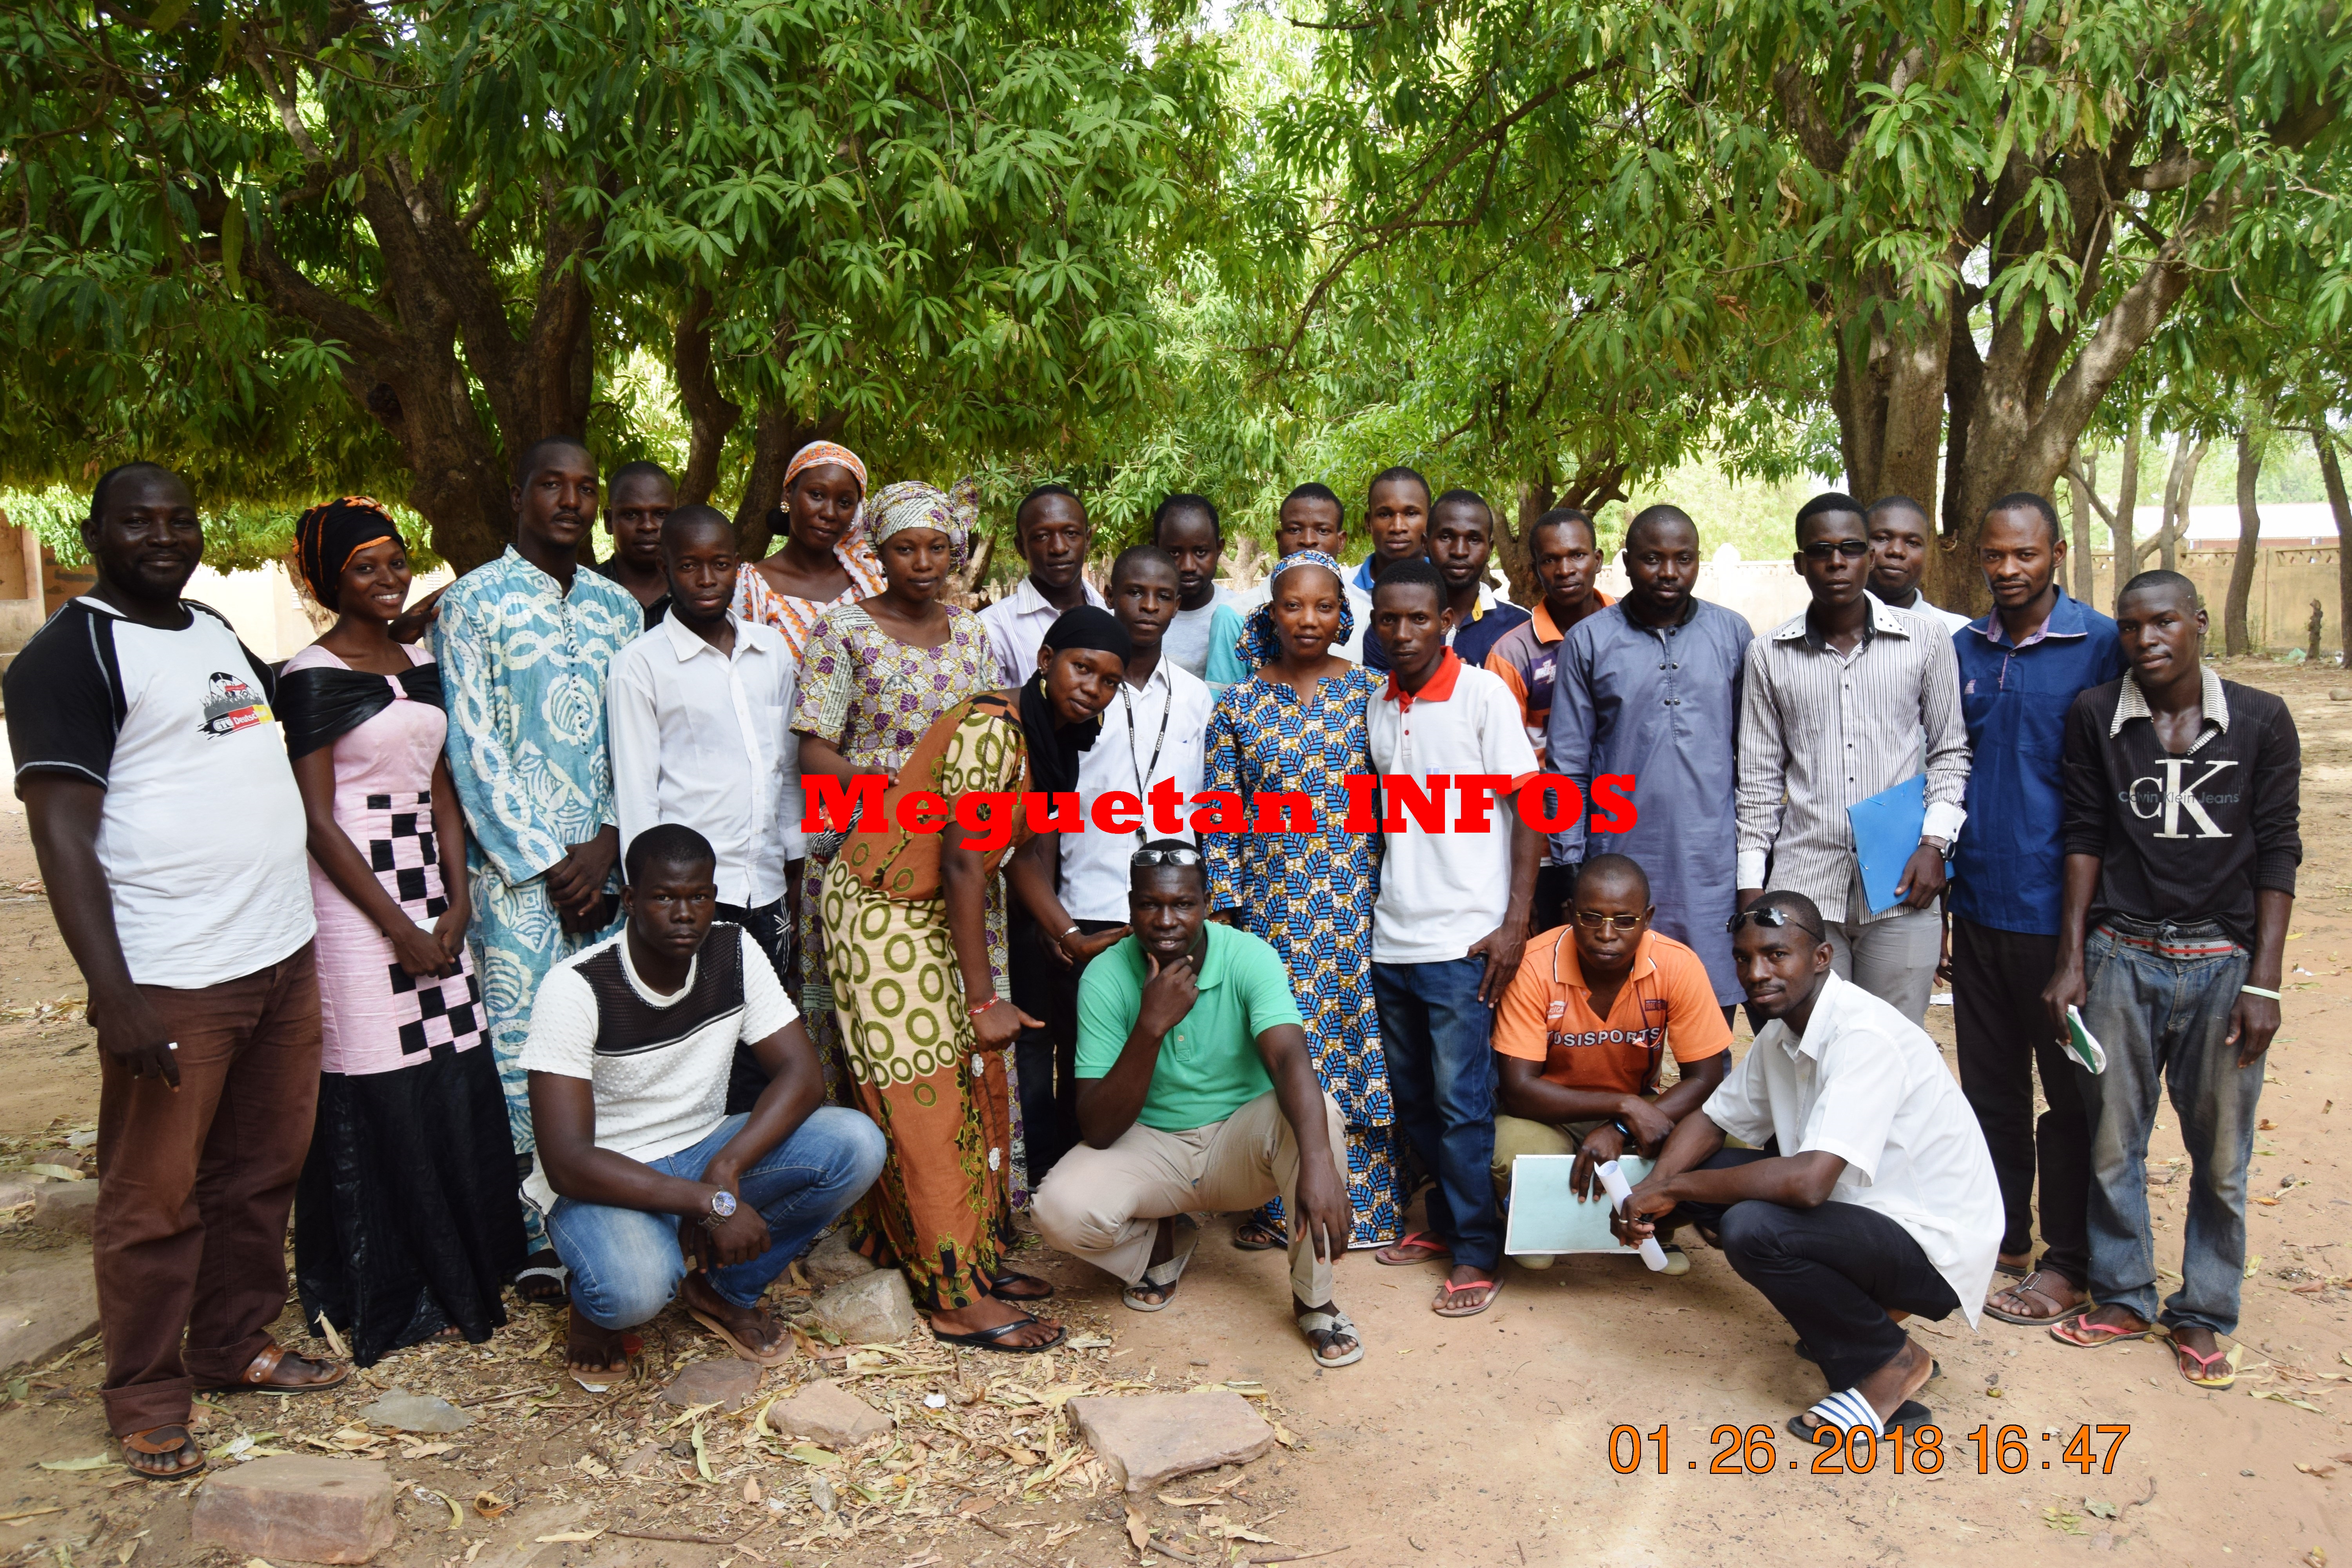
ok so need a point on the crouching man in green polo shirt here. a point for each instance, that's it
(1195, 1095)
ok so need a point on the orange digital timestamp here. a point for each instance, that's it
(1915, 1450)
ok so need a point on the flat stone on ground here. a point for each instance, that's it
(829, 1413)
(873, 1308)
(310, 1510)
(47, 1306)
(725, 1382)
(405, 1412)
(65, 1206)
(1148, 1439)
(833, 1262)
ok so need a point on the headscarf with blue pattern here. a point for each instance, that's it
(1258, 646)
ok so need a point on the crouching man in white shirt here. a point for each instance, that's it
(1869, 1195)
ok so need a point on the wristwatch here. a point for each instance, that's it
(722, 1208)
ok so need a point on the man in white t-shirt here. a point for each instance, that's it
(170, 835)
(1866, 1194)
(639, 1169)
(1186, 527)
(1456, 886)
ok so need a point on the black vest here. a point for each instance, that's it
(628, 1026)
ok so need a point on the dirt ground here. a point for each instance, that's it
(1485, 1440)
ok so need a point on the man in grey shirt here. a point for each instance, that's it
(1833, 709)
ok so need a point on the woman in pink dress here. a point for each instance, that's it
(406, 1222)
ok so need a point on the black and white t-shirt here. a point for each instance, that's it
(201, 836)
(658, 1063)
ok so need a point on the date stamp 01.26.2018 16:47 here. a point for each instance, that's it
(1919, 1450)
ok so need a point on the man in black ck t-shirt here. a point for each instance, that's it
(2182, 793)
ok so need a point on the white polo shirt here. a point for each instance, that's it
(705, 739)
(1017, 625)
(1149, 732)
(1442, 891)
(1866, 1084)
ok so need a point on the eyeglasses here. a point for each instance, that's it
(1822, 549)
(1771, 917)
(1593, 920)
(1178, 855)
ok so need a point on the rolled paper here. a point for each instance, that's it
(1613, 1181)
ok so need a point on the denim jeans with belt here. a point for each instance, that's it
(1438, 1038)
(2160, 1003)
(626, 1264)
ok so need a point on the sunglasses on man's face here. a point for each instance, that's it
(1770, 918)
(1822, 549)
(1182, 855)
(1594, 921)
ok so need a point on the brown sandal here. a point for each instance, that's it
(2029, 1286)
(261, 1374)
(148, 1443)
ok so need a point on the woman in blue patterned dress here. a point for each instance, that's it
(1299, 725)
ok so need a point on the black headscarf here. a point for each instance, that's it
(327, 536)
(1054, 747)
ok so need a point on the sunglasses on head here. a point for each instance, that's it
(1771, 917)
(1181, 855)
(1851, 549)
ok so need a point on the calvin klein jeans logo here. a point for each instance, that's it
(2166, 795)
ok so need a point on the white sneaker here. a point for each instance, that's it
(1677, 1260)
(1533, 1259)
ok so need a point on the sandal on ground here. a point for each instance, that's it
(2077, 1330)
(2027, 1285)
(260, 1375)
(156, 1442)
(1421, 1247)
(774, 1355)
(2198, 1368)
(633, 1353)
(1849, 1412)
(1259, 1234)
(996, 1288)
(1322, 1328)
(1162, 1277)
(559, 1277)
(990, 1339)
(1447, 1290)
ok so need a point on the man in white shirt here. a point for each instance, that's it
(1456, 885)
(170, 835)
(699, 710)
(1154, 735)
(1187, 527)
(1868, 1194)
(1051, 532)
(640, 1170)
(1899, 532)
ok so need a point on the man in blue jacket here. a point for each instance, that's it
(2020, 668)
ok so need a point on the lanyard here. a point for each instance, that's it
(1143, 774)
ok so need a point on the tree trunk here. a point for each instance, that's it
(711, 416)
(2126, 508)
(1889, 397)
(2178, 491)
(2087, 472)
(2237, 637)
(2331, 474)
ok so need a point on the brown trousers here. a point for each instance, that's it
(193, 1188)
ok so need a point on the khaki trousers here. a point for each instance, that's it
(1106, 1205)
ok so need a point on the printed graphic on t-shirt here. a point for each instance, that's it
(231, 705)
(2170, 796)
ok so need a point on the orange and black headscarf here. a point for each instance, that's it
(327, 536)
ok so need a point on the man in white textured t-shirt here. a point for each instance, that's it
(1865, 1194)
(170, 835)
(1457, 880)
(639, 1170)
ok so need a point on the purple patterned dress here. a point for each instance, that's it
(873, 697)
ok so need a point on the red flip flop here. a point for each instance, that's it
(1444, 1306)
(1421, 1247)
(2083, 1334)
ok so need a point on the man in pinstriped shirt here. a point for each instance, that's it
(1834, 705)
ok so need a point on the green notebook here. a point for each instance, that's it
(2082, 1043)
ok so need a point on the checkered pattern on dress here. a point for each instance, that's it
(448, 1010)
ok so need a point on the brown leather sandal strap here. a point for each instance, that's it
(145, 1443)
(259, 1370)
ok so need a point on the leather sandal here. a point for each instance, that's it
(991, 1339)
(2031, 1286)
(158, 1441)
(260, 1375)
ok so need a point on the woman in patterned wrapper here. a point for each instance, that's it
(405, 1220)
(1297, 725)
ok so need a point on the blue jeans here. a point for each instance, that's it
(2157, 1014)
(626, 1264)
(1438, 1038)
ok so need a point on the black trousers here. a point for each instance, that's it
(1553, 886)
(1048, 1060)
(772, 934)
(1834, 1272)
(2002, 1033)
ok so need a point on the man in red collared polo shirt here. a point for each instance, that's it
(1585, 1026)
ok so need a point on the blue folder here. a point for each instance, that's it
(1885, 833)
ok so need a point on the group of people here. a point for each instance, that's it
(491, 935)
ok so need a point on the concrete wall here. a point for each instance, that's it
(2278, 607)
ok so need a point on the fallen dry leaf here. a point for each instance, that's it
(2322, 1471)
(489, 1506)
(568, 1535)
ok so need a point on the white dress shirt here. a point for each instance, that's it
(1017, 625)
(704, 739)
(1865, 1083)
(1149, 732)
